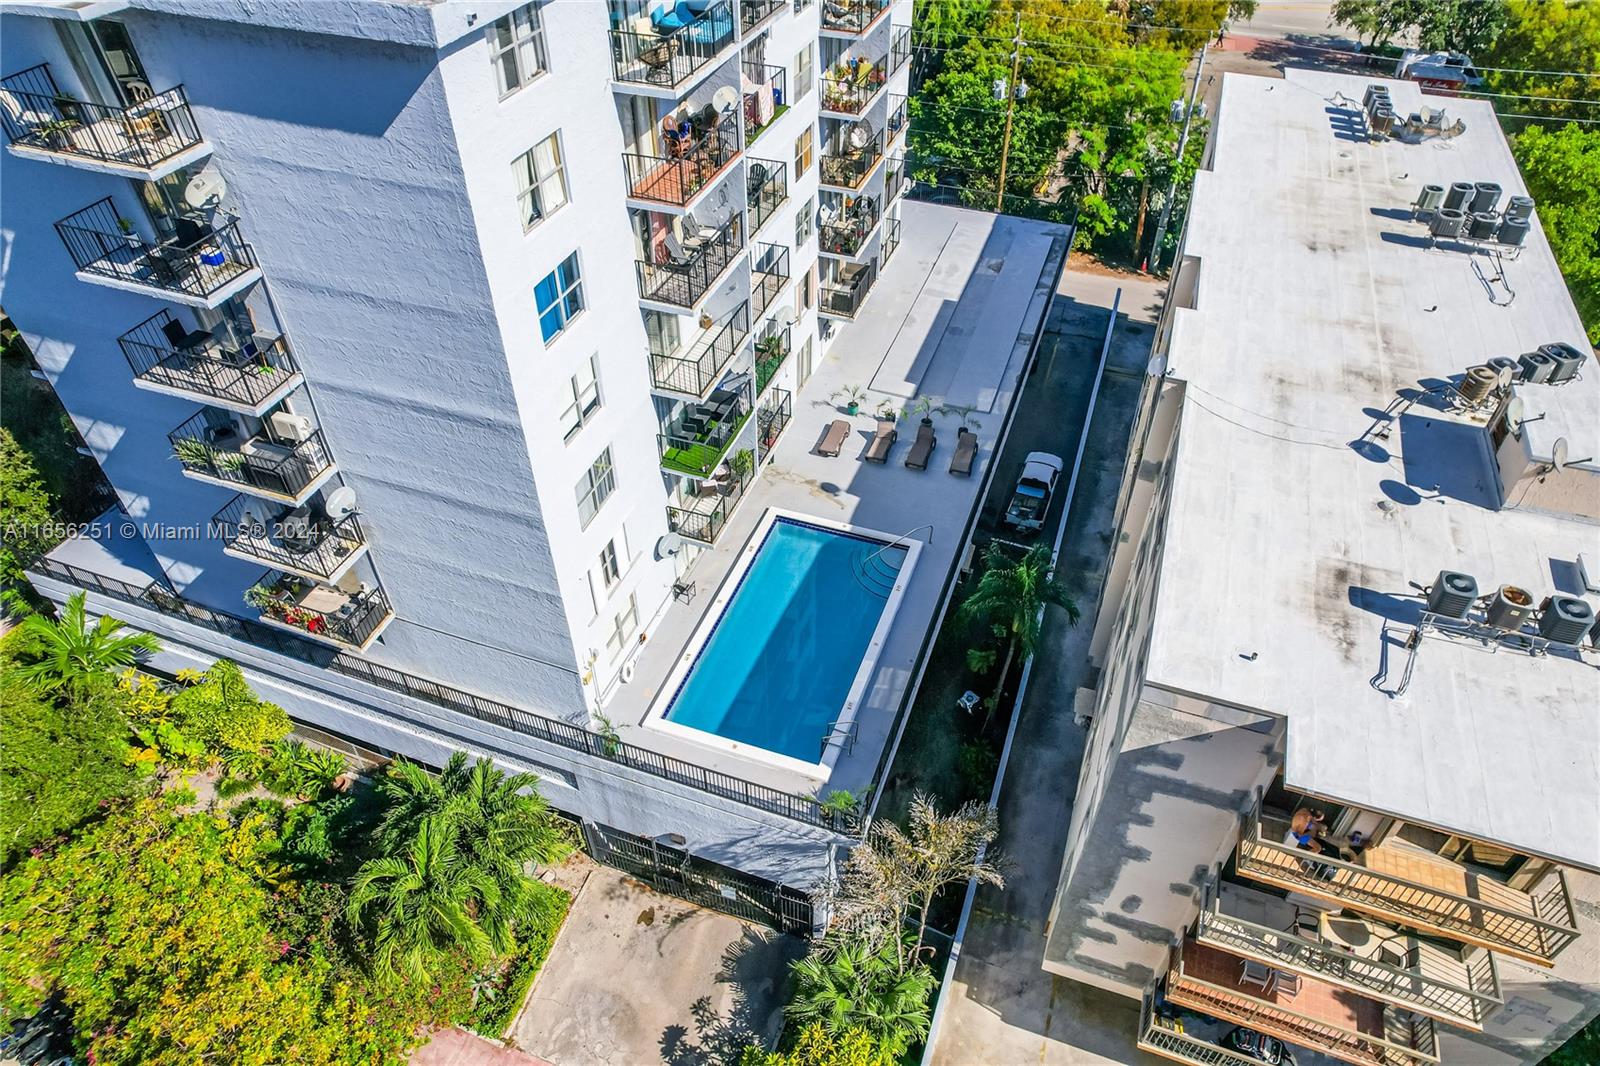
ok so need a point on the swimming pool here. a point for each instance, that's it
(789, 645)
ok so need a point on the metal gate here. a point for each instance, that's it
(668, 868)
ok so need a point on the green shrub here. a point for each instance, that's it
(977, 763)
(536, 934)
(816, 1046)
(225, 714)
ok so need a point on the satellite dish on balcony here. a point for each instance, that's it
(725, 99)
(860, 134)
(205, 190)
(341, 503)
(786, 315)
(668, 546)
(1514, 408)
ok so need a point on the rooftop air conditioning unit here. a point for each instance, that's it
(1567, 361)
(1478, 384)
(1430, 199)
(1447, 222)
(290, 427)
(1513, 232)
(1485, 196)
(1459, 195)
(1482, 225)
(1510, 607)
(1452, 594)
(1565, 619)
(1504, 364)
(1536, 367)
(1520, 207)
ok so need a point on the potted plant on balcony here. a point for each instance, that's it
(129, 232)
(852, 395)
(56, 132)
(742, 463)
(192, 453)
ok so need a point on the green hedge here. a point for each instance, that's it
(536, 935)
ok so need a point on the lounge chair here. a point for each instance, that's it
(921, 448)
(882, 441)
(834, 437)
(966, 451)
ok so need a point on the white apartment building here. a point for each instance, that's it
(460, 329)
(1356, 571)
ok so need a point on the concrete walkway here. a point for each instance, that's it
(457, 1047)
(1003, 1008)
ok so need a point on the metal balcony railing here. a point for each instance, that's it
(753, 13)
(199, 263)
(280, 468)
(849, 88)
(1536, 925)
(668, 57)
(767, 101)
(281, 599)
(313, 545)
(771, 351)
(690, 165)
(848, 234)
(700, 434)
(894, 179)
(244, 373)
(847, 166)
(768, 274)
(694, 372)
(851, 16)
(705, 514)
(1166, 1037)
(891, 239)
(766, 188)
(39, 115)
(900, 49)
(773, 419)
(844, 298)
(896, 124)
(682, 282)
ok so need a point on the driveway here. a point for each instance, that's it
(637, 978)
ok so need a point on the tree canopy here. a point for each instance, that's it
(1561, 167)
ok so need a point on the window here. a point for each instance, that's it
(610, 571)
(541, 182)
(802, 222)
(806, 292)
(560, 298)
(516, 48)
(584, 391)
(802, 153)
(662, 332)
(623, 627)
(805, 70)
(801, 5)
(595, 487)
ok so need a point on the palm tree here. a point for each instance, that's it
(75, 652)
(853, 986)
(1010, 597)
(420, 905)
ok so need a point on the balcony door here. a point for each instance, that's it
(103, 55)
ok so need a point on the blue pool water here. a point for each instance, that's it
(778, 666)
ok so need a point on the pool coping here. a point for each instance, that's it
(655, 718)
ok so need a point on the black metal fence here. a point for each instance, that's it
(773, 419)
(768, 275)
(107, 244)
(284, 468)
(646, 55)
(704, 518)
(846, 298)
(40, 116)
(753, 12)
(682, 282)
(766, 188)
(694, 372)
(772, 89)
(852, 16)
(848, 166)
(244, 373)
(847, 234)
(314, 545)
(688, 167)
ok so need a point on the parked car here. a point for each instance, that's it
(1258, 1046)
(1030, 501)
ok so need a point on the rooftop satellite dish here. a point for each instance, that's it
(786, 315)
(1514, 411)
(1558, 453)
(341, 503)
(205, 190)
(668, 546)
(860, 135)
(725, 99)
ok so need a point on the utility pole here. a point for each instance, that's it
(1172, 190)
(1011, 106)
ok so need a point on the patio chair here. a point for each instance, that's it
(1255, 973)
(966, 452)
(184, 340)
(921, 448)
(1285, 983)
(833, 438)
(882, 441)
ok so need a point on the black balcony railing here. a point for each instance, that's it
(683, 281)
(766, 103)
(844, 297)
(771, 351)
(285, 599)
(242, 372)
(707, 508)
(213, 449)
(899, 48)
(753, 13)
(691, 163)
(297, 540)
(891, 238)
(847, 165)
(850, 87)
(773, 419)
(700, 434)
(200, 261)
(768, 275)
(894, 179)
(38, 115)
(847, 234)
(695, 371)
(660, 55)
(766, 188)
(896, 123)
(160, 598)
(851, 16)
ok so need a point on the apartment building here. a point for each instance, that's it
(429, 345)
(1343, 770)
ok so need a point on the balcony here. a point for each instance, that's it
(897, 120)
(850, 86)
(147, 141)
(1315, 1015)
(766, 96)
(891, 239)
(212, 449)
(299, 541)
(846, 234)
(851, 17)
(772, 420)
(768, 274)
(771, 351)
(335, 615)
(852, 160)
(706, 508)
(843, 298)
(248, 376)
(1459, 987)
(752, 13)
(695, 372)
(690, 165)
(1419, 889)
(665, 56)
(899, 49)
(201, 267)
(766, 189)
(1192, 1039)
(894, 179)
(683, 281)
(700, 434)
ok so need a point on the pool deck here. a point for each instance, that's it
(952, 317)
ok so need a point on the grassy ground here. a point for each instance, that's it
(36, 418)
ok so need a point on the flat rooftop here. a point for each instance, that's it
(1292, 543)
(952, 317)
